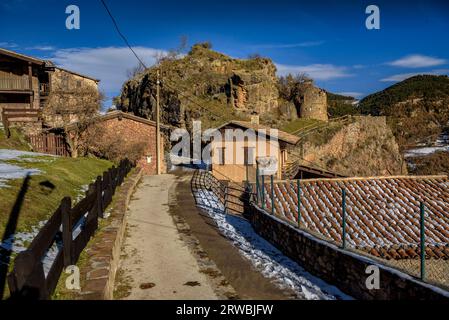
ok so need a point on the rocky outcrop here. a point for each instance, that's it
(204, 85)
(364, 147)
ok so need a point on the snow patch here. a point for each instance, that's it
(13, 171)
(271, 262)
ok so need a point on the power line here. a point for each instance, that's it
(121, 34)
(143, 64)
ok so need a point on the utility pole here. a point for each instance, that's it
(158, 128)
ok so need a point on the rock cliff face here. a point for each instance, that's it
(204, 85)
(365, 147)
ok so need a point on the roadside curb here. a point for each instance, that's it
(104, 255)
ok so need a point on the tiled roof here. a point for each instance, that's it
(21, 56)
(281, 135)
(382, 213)
(118, 114)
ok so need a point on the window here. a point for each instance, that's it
(221, 155)
(248, 154)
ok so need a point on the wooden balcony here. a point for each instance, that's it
(14, 84)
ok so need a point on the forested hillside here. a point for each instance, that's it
(417, 108)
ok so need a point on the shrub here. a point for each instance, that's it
(105, 144)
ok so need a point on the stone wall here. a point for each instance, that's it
(133, 132)
(104, 250)
(314, 103)
(71, 95)
(346, 270)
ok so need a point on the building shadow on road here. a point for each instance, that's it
(8, 235)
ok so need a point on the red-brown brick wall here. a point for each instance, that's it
(133, 131)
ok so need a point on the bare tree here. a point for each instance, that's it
(102, 142)
(74, 105)
(134, 71)
(291, 86)
(254, 56)
(172, 54)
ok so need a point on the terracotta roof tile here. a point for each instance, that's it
(382, 213)
(281, 135)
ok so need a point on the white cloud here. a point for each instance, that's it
(108, 64)
(417, 61)
(9, 45)
(403, 76)
(42, 48)
(359, 66)
(351, 94)
(315, 71)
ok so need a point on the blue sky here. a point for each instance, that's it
(326, 39)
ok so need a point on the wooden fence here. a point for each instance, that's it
(28, 278)
(49, 143)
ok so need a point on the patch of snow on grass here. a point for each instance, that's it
(10, 171)
(9, 154)
(13, 171)
(19, 242)
(271, 262)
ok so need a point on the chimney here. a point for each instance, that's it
(255, 119)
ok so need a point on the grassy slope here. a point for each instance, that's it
(17, 141)
(297, 124)
(67, 175)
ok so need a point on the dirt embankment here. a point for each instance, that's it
(364, 147)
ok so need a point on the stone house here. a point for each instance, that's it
(27, 82)
(132, 130)
(243, 146)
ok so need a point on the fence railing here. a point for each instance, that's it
(305, 131)
(231, 195)
(67, 232)
(339, 214)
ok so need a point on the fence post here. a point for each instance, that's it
(99, 199)
(272, 193)
(423, 241)
(226, 200)
(257, 183)
(343, 205)
(299, 202)
(263, 192)
(66, 204)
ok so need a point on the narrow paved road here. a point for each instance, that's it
(155, 263)
(243, 277)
